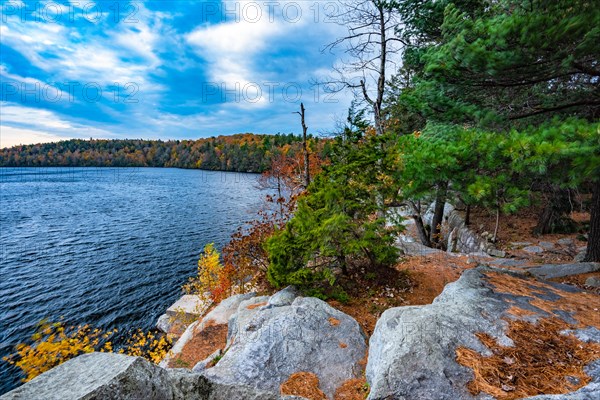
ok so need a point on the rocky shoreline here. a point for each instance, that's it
(414, 352)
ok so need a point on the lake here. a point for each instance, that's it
(109, 247)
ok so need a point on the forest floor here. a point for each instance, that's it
(515, 233)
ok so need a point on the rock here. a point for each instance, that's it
(284, 297)
(188, 306)
(551, 271)
(409, 246)
(164, 323)
(117, 376)
(508, 262)
(202, 365)
(412, 353)
(102, 375)
(217, 316)
(412, 350)
(546, 245)
(580, 256)
(520, 244)
(222, 312)
(270, 342)
(565, 242)
(533, 249)
(592, 281)
(182, 313)
(451, 245)
(496, 253)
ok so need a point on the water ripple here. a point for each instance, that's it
(104, 248)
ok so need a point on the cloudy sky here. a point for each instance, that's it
(168, 69)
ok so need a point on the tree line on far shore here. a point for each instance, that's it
(244, 152)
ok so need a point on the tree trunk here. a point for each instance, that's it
(495, 237)
(343, 265)
(554, 216)
(593, 247)
(421, 231)
(305, 147)
(468, 215)
(438, 215)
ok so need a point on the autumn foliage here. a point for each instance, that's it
(53, 344)
(213, 281)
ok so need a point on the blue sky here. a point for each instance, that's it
(169, 69)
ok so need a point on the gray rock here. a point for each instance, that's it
(412, 353)
(451, 245)
(104, 376)
(580, 256)
(202, 365)
(164, 323)
(546, 245)
(496, 253)
(222, 312)
(268, 344)
(245, 311)
(592, 281)
(412, 350)
(188, 306)
(108, 376)
(284, 297)
(507, 262)
(565, 242)
(533, 249)
(551, 271)
(520, 244)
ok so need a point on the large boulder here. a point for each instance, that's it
(105, 376)
(271, 338)
(413, 350)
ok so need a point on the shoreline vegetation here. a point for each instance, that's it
(245, 152)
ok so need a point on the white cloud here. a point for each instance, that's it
(10, 113)
(29, 121)
(11, 136)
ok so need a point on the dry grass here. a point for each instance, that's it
(413, 281)
(542, 361)
(583, 306)
(429, 275)
(579, 281)
(519, 228)
(253, 306)
(303, 384)
(204, 343)
(353, 389)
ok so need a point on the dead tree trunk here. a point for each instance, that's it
(593, 247)
(305, 146)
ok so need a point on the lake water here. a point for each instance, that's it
(106, 246)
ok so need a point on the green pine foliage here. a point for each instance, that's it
(339, 223)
